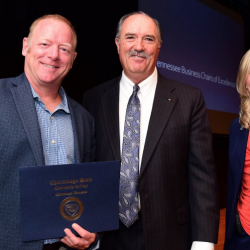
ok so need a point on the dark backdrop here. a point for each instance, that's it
(95, 23)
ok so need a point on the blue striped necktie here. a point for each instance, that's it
(129, 173)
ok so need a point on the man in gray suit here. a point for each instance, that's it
(159, 129)
(41, 125)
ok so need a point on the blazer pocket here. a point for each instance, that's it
(183, 214)
(176, 130)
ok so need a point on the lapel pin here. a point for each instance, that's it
(169, 100)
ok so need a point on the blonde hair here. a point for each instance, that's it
(56, 17)
(243, 72)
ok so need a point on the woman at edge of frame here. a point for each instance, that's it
(238, 192)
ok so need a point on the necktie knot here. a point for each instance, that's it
(136, 88)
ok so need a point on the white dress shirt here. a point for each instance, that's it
(146, 95)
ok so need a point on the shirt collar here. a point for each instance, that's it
(145, 86)
(62, 106)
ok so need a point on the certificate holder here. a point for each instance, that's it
(52, 198)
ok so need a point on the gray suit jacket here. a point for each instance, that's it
(178, 184)
(21, 145)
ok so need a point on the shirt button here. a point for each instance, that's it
(53, 141)
(52, 117)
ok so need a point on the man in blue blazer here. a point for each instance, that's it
(41, 125)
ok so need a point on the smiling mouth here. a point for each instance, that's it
(49, 66)
(136, 56)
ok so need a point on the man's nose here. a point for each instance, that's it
(139, 46)
(53, 53)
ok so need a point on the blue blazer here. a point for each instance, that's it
(237, 150)
(21, 145)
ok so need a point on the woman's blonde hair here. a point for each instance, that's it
(243, 72)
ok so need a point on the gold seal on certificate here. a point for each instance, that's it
(71, 208)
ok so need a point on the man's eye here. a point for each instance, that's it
(130, 37)
(65, 50)
(149, 39)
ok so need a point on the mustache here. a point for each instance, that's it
(134, 52)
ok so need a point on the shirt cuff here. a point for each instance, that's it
(198, 245)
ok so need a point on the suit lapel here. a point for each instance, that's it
(24, 101)
(164, 102)
(77, 131)
(110, 111)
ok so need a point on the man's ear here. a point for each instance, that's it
(73, 59)
(117, 42)
(25, 46)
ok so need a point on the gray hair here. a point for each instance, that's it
(122, 20)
